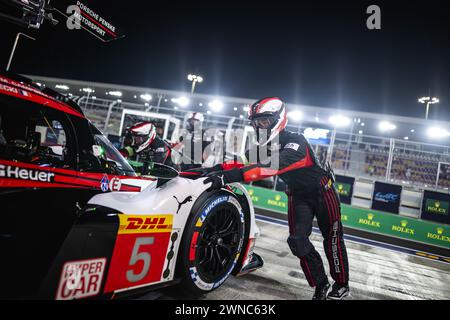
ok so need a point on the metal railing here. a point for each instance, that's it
(412, 164)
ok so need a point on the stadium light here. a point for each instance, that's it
(181, 101)
(386, 126)
(295, 115)
(339, 121)
(146, 97)
(62, 87)
(437, 133)
(88, 90)
(216, 105)
(115, 93)
(194, 79)
(406, 138)
(428, 101)
(245, 108)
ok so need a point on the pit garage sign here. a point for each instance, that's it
(82, 15)
(81, 279)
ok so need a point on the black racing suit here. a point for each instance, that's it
(310, 193)
(157, 152)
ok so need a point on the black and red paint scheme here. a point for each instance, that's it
(77, 222)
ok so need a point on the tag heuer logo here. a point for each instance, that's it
(370, 216)
(437, 204)
(277, 197)
(250, 192)
(340, 187)
(403, 223)
(440, 230)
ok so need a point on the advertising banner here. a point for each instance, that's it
(435, 206)
(344, 187)
(365, 219)
(386, 197)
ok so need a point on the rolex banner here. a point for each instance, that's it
(386, 197)
(344, 187)
(435, 206)
(397, 226)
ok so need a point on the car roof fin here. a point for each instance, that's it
(60, 97)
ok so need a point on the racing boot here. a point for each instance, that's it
(321, 291)
(338, 292)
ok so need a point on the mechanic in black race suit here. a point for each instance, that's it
(310, 193)
(142, 140)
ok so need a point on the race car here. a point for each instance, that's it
(77, 222)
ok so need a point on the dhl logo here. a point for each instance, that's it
(145, 224)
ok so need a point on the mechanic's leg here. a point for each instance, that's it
(329, 220)
(300, 217)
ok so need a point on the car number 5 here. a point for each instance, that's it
(136, 256)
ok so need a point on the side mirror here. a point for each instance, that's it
(161, 171)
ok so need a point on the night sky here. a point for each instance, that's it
(311, 52)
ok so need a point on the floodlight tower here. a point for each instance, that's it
(194, 79)
(428, 101)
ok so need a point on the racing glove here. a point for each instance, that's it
(220, 179)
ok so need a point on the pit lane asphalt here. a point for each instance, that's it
(375, 273)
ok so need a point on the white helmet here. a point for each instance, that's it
(268, 114)
(142, 135)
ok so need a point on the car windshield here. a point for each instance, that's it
(111, 154)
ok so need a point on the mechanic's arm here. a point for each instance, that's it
(290, 158)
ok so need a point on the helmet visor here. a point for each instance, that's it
(264, 122)
(139, 140)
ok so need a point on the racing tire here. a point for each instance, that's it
(212, 242)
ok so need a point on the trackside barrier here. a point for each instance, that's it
(365, 219)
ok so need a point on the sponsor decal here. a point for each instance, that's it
(145, 224)
(403, 228)
(104, 183)
(334, 248)
(343, 189)
(170, 254)
(180, 204)
(293, 146)
(211, 206)
(251, 193)
(344, 217)
(437, 207)
(25, 174)
(439, 235)
(6, 88)
(277, 202)
(115, 184)
(386, 197)
(81, 279)
(369, 221)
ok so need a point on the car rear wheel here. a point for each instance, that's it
(212, 242)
